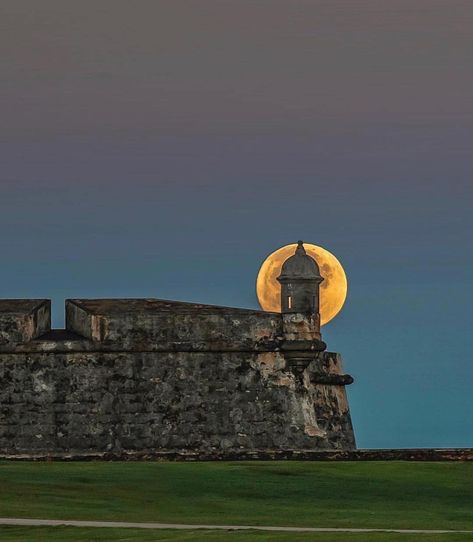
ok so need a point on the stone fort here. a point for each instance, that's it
(163, 377)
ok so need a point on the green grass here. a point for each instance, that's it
(73, 534)
(313, 494)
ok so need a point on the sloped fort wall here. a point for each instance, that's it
(150, 375)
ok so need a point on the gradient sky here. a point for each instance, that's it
(164, 148)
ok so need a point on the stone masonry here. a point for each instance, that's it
(138, 375)
(153, 377)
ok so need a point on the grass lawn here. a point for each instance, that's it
(73, 534)
(314, 494)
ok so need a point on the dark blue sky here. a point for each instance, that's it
(163, 149)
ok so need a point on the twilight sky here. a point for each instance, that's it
(162, 148)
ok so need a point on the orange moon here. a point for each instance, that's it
(333, 290)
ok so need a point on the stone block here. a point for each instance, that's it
(22, 320)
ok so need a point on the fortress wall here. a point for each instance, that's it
(163, 376)
(92, 402)
(152, 324)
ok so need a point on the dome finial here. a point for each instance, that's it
(300, 248)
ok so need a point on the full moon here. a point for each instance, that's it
(333, 290)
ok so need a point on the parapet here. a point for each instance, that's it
(22, 320)
(155, 324)
(152, 325)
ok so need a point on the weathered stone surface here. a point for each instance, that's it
(171, 325)
(22, 320)
(171, 401)
(150, 376)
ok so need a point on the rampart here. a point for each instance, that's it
(164, 376)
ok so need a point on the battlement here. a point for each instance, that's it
(150, 374)
(136, 325)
